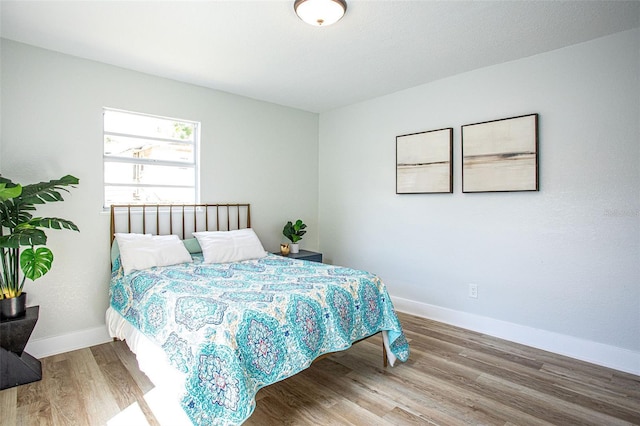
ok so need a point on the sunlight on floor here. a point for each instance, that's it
(130, 416)
(166, 411)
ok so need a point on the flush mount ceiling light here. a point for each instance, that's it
(320, 12)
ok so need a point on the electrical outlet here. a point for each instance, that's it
(473, 290)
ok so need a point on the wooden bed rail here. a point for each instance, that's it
(160, 219)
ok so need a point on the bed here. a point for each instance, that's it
(213, 326)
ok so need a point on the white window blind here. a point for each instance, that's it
(149, 159)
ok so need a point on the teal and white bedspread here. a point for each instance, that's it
(234, 328)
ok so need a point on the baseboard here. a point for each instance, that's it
(41, 348)
(585, 350)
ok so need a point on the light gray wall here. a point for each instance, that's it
(565, 259)
(52, 104)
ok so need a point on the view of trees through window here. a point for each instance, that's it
(149, 159)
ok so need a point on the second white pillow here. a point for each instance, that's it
(230, 246)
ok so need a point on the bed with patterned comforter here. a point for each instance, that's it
(234, 328)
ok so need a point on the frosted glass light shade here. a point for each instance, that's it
(320, 12)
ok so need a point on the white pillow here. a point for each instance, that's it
(138, 252)
(230, 246)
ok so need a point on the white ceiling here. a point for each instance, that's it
(260, 49)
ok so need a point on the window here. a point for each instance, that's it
(149, 159)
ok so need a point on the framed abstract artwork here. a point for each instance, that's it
(500, 155)
(424, 162)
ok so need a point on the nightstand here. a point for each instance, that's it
(304, 255)
(16, 366)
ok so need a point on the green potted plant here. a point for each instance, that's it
(19, 229)
(294, 232)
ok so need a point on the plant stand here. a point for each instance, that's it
(16, 366)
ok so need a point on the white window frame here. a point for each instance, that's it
(116, 159)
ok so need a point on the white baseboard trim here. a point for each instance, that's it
(41, 348)
(585, 350)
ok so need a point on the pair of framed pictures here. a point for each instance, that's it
(497, 156)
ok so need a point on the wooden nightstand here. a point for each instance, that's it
(304, 255)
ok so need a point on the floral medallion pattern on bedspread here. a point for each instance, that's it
(234, 328)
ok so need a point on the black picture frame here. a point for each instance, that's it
(424, 162)
(500, 155)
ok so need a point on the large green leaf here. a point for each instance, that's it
(43, 192)
(8, 210)
(24, 236)
(36, 263)
(11, 212)
(53, 223)
(7, 193)
(28, 234)
(12, 215)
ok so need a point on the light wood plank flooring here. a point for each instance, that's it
(453, 377)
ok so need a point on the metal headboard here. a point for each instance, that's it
(178, 219)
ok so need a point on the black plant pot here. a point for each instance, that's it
(14, 307)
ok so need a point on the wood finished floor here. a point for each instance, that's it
(453, 377)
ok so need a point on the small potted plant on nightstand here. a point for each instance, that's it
(294, 232)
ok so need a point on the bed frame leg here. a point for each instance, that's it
(385, 361)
